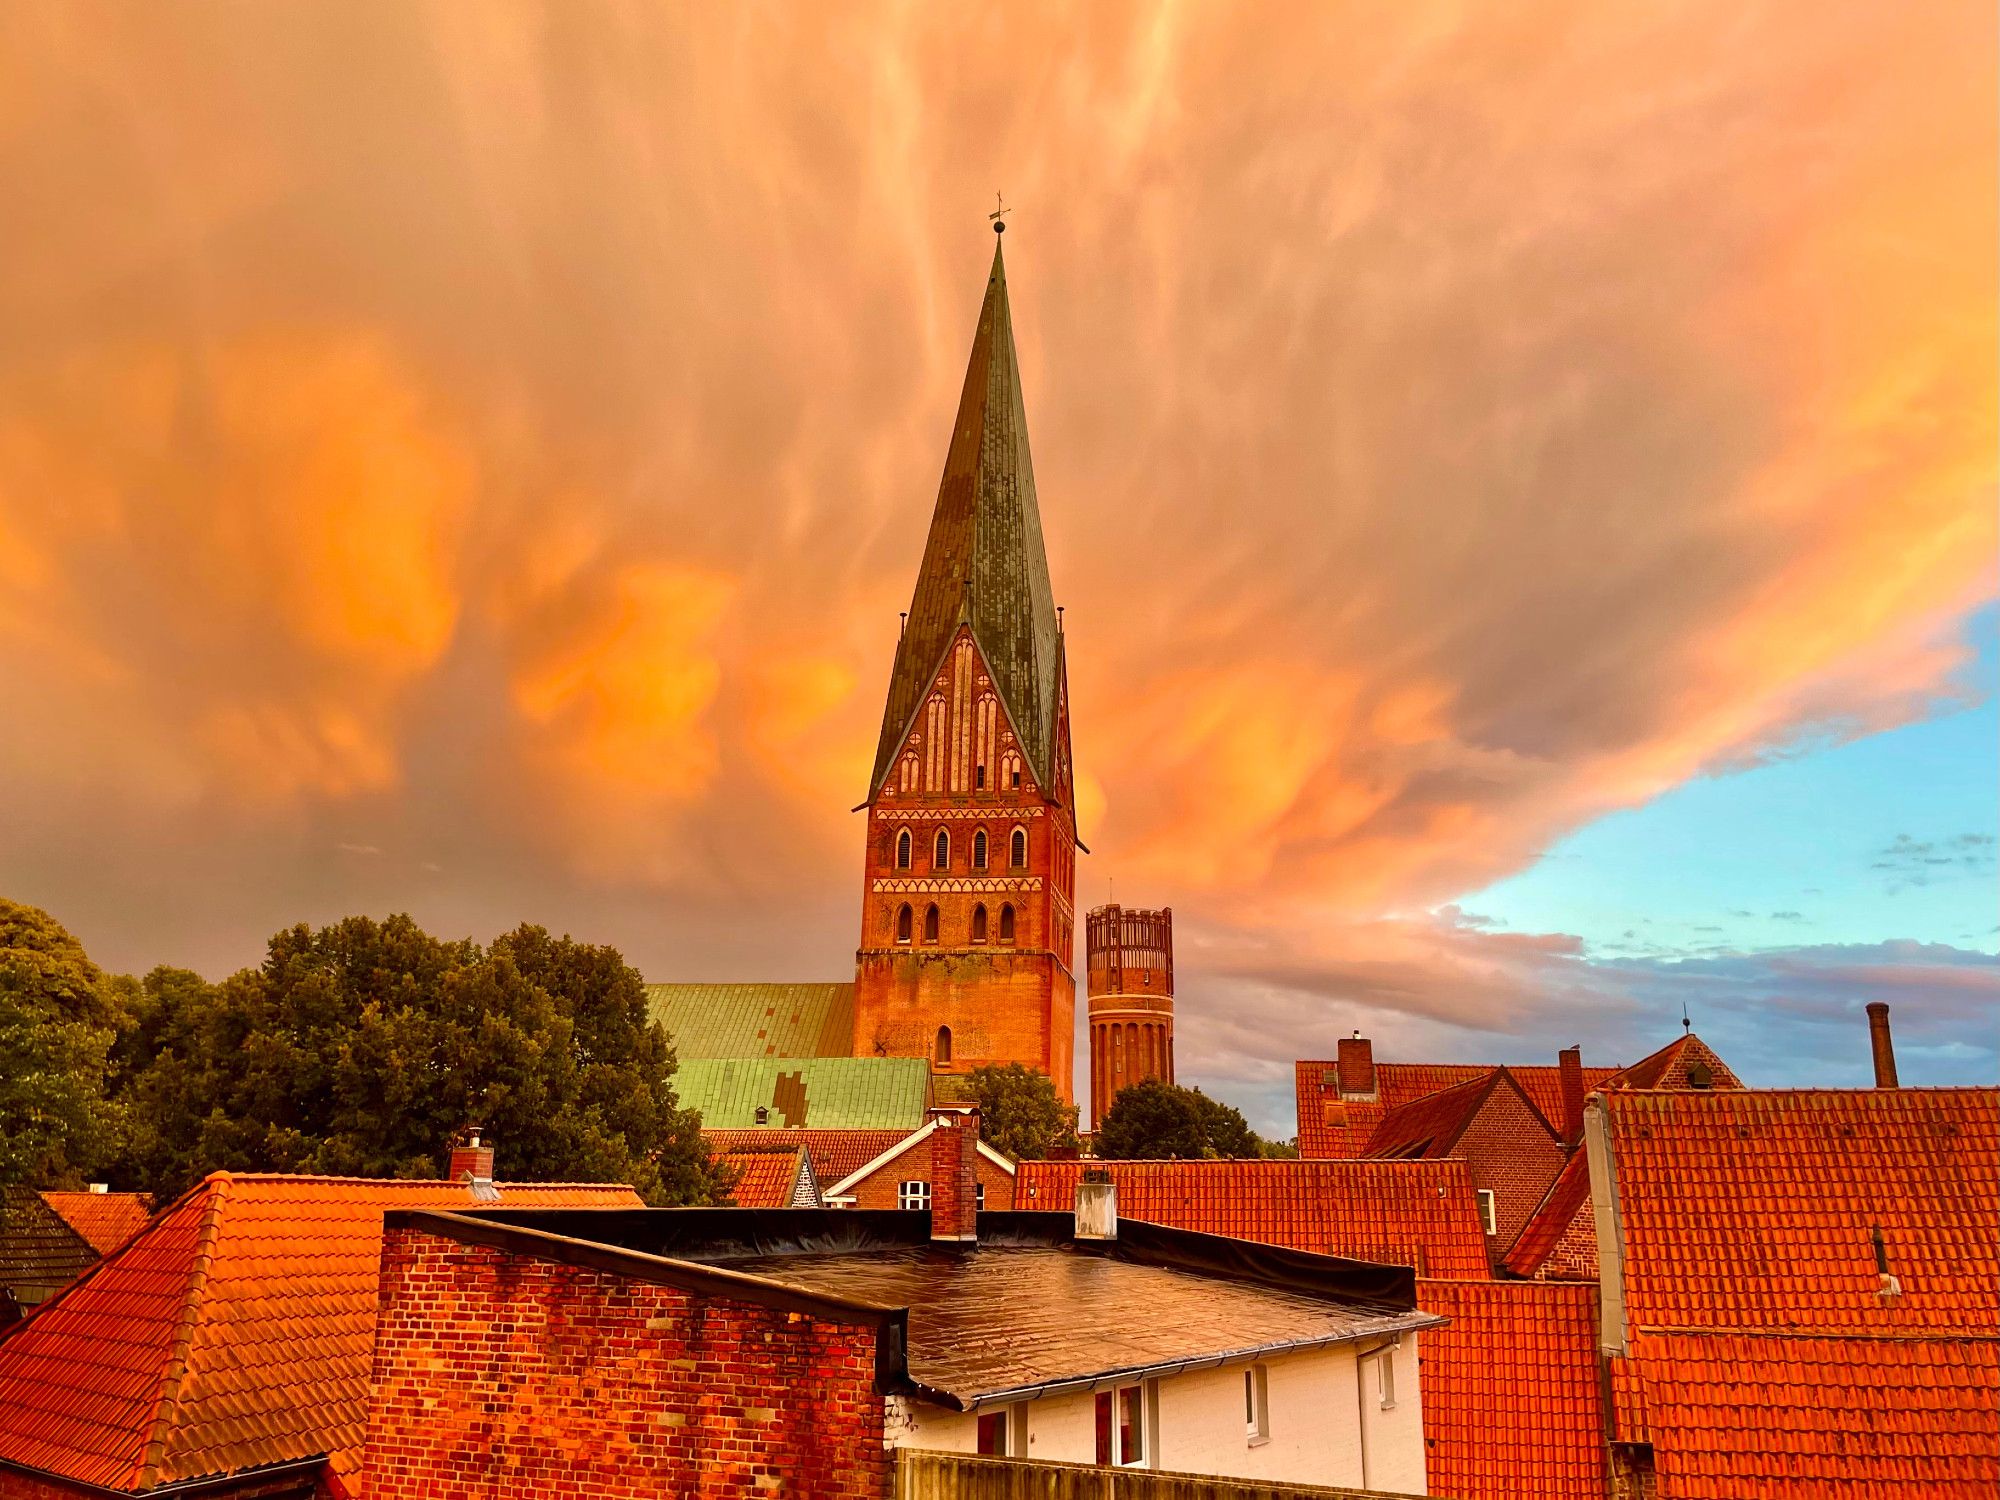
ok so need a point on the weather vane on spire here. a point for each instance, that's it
(999, 208)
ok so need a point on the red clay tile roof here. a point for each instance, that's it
(835, 1153)
(234, 1331)
(765, 1179)
(1399, 1084)
(1668, 1068)
(1747, 1415)
(1765, 1359)
(39, 1252)
(106, 1220)
(1512, 1409)
(1753, 1209)
(1429, 1126)
(1564, 1209)
(1407, 1213)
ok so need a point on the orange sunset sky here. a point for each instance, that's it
(469, 460)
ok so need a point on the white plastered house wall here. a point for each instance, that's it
(1326, 1421)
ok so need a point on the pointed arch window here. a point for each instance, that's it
(903, 921)
(941, 850)
(903, 849)
(1007, 924)
(979, 849)
(930, 924)
(979, 924)
(1017, 849)
(942, 1052)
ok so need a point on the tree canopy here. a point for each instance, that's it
(1020, 1112)
(364, 1047)
(1155, 1120)
(58, 1020)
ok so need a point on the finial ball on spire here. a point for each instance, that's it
(999, 208)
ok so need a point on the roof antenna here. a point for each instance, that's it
(999, 224)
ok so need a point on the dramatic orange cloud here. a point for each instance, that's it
(471, 458)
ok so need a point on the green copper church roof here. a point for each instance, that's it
(984, 562)
(801, 1093)
(755, 1020)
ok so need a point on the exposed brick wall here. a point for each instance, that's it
(1574, 1257)
(1508, 1149)
(878, 1190)
(1002, 1001)
(499, 1375)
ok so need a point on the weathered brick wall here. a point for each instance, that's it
(1507, 1149)
(879, 1190)
(498, 1374)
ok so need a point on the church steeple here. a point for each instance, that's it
(984, 564)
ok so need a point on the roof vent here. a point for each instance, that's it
(1096, 1206)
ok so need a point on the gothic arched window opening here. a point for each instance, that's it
(1017, 848)
(1006, 924)
(979, 849)
(903, 849)
(941, 850)
(943, 1053)
(903, 919)
(930, 924)
(979, 924)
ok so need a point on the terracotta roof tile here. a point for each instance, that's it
(1331, 1128)
(1755, 1209)
(106, 1220)
(235, 1330)
(1408, 1213)
(1510, 1391)
(1748, 1417)
(39, 1251)
(766, 1178)
(835, 1153)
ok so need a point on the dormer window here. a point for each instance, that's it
(763, 1115)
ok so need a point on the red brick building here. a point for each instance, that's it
(902, 1175)
(1130, 968)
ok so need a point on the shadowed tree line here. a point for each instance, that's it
(358, 1049)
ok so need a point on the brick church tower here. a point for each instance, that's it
(1131, 987)
(967, 914)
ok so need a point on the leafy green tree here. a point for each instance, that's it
(58, 1020)
(363, 1048)
(1020, 1112)
(1155, 1120)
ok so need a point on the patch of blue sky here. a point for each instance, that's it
(1888, 836)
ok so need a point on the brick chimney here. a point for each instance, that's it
(1880, 1044)
(1357, 1066)
(1569, 1063)
(955, 1176)
(471, 1158)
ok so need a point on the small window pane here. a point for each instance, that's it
(1104, 1427)
(1132, 1425)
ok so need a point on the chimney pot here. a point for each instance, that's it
(1570, 1063)
(1880, 1043)
(1357, 1066)
(955, 1176)
(1096, 1206)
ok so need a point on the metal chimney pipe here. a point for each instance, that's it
(1881, 1045)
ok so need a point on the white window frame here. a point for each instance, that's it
(1489, 1210)
(1142, 1394)
(913, 1194)
(1015, 1418)
(1385, 1378)
(1256, 1405)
